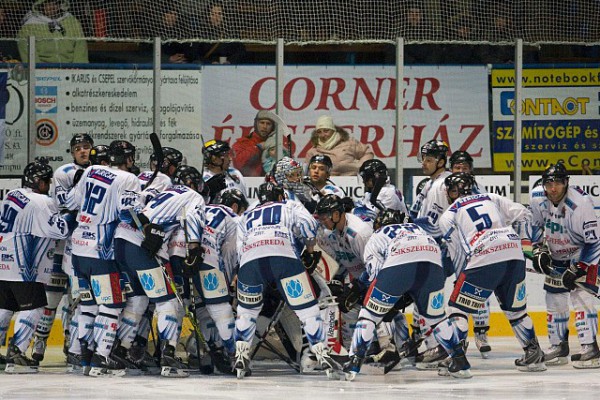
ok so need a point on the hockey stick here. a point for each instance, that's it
(283, 129)
(160, 157)
(191, 284)
(263, 337)
(377, 186)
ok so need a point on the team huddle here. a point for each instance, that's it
(331, 276)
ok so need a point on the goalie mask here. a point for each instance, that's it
(461, 183)
(172, 157)
(188, 176)
(288, 173)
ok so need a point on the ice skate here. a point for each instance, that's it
(481, 341)
(133, 367)
(443, 367)
(18, 363)
(39, 348)
(587, 358)
(105, 366)
(328, 364)
(140, 355)
(557, 354)
(74, 364)
(430, 358)
(352, 367)
(459, 366)
(171, 366)
(533, 359)
(242, 359)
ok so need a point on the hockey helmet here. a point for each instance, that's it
(36, 171)
(321, 159)
(282, 171)
(461, 181)
(435, 148)
(389, 217)
(233, 196)
(328, 204)
(555, 172)
(460, 157)
(119, 151)
(214, 148)
(372, 169)
(79, 138)
(269, 191)
(187, 175)
(99, 154)
(171, 156)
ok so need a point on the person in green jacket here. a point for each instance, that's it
(58, 34)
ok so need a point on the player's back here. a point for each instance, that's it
(220, 228)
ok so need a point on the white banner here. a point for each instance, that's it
(351, 186)
(448, 103)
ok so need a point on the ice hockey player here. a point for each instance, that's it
(270, 237)
(172, 159)
(64, 179)
(400, 259)
(142, 254)
(29, 225)
(489, 259)
(218, 173)
(319, 171)
(461, 161)
(103, 195)
(287, 173)
(379, 192)
(567, 249)
(99, 155)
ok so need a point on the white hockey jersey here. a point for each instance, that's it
(168, 210)
(430, 204)
(220, 239)
(29, 224)
(159, 184)
(400, 244)
(329, 188)
(275, 229)
(479, 226)
(570, 229)
(347, 247)
(390, 197)
(102, 194)
(233, 179)
(63, 182)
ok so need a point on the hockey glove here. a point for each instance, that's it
(77, 176)
(336, 287)
(192, 263)
(154, 236)
(404, 301)
(351, 296)
(70, 217)
(574, 272)
(310, 260)
(541, 260)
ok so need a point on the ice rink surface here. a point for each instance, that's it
(494, 378)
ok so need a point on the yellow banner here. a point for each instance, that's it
(548, 77)
(504, 162)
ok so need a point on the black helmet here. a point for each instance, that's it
(555, 172)
(214, 148)
(99, 154)
(36, 171)
(234, 196)
(119, 151)
(460, 157)
(372, 169)
(187, 175)
(328, 204)
(435, 148)
(321, 159)
(462, 181)
(269, 191)
(81, 138)
(171, 157)
(389, 217)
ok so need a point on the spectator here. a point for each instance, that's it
(248, 149)
(60, 31)
(346, 152)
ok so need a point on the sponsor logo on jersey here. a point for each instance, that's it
(18, 198)
(88, 235)
(102, 175)
(96, 287)
(294, 288)
(147, 281)
(8, 257)
(210, 281)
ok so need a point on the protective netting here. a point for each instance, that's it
(320, 21)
